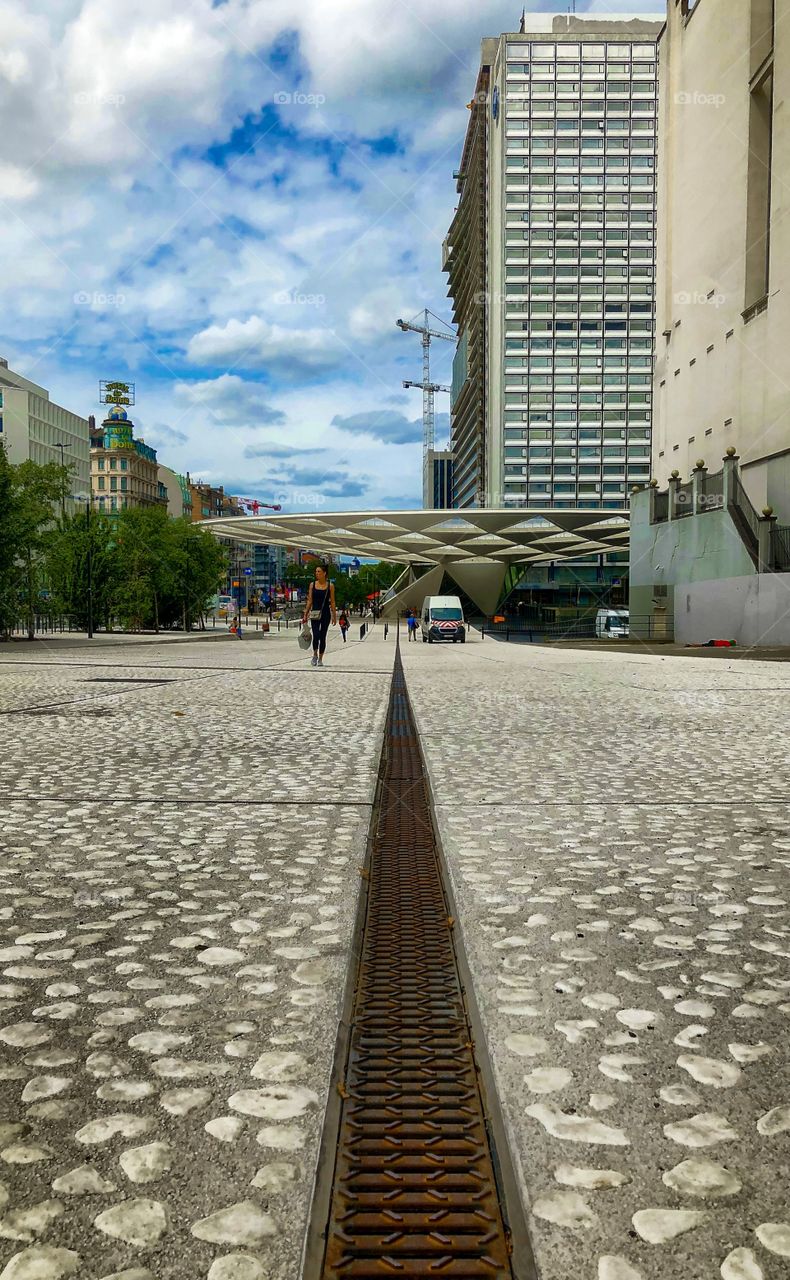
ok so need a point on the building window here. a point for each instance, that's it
(113, 463)
(101, 482)
(101, 464)
(113, 483)
(758, 179)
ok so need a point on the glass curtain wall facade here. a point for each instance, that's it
(577, 138)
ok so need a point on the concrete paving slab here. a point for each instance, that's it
(616, 836)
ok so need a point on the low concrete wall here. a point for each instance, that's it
(753, 610)
(679, 555)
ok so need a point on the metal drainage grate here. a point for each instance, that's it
(414, 1191)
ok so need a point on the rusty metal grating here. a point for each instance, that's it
(414, 1191)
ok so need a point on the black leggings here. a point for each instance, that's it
(320, 627)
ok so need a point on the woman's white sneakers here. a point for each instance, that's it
(314, 661)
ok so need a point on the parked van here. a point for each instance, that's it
(611, 624)
(442, 618)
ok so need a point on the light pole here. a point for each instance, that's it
(88, 500)
(61, 446)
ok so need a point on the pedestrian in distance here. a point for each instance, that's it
(235, 626)
(320, 610)
(344, 624)
(411, 624)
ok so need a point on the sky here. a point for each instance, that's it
(230, 203)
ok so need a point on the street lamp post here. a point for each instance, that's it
(59, 445)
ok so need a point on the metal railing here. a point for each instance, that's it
(711, 496)
(46, 624)
(654, 627)
(780, 548)
(529, 630)
(683, 504)
(743, 503)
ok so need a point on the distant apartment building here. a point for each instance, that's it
(550, 259)
(210, 500)
(124, 470)
(441, 471)
(465, 258)
(268, 570)
(710, 538)
(179, 494)
(32, 427)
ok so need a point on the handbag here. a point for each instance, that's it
(305, 637)
(315, 615)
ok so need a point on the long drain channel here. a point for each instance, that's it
(414, 1191)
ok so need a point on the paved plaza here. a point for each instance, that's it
(184, 826)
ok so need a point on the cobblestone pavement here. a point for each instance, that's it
(616, 831)
(178, 883)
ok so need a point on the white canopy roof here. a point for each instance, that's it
(471, 535)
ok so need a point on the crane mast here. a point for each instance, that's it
(429, 390)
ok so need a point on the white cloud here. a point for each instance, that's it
(230, 401)
(288, 353)
(16, 183)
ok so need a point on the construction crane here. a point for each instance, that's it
(428, 389)
(253, 505)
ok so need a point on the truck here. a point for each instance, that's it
(612, 624)
(442, 620)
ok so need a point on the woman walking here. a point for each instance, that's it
(320, 608)
(344, 623)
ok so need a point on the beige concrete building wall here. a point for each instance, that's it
(722, 372)
(33, 425)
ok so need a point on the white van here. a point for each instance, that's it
(611, 624)
(442, 618)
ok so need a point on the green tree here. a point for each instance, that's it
(164, 570)
(200, 564)
(29, 495)
(140, 566)
(80, 560)
(7, 547)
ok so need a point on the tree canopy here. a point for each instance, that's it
(144, 569)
